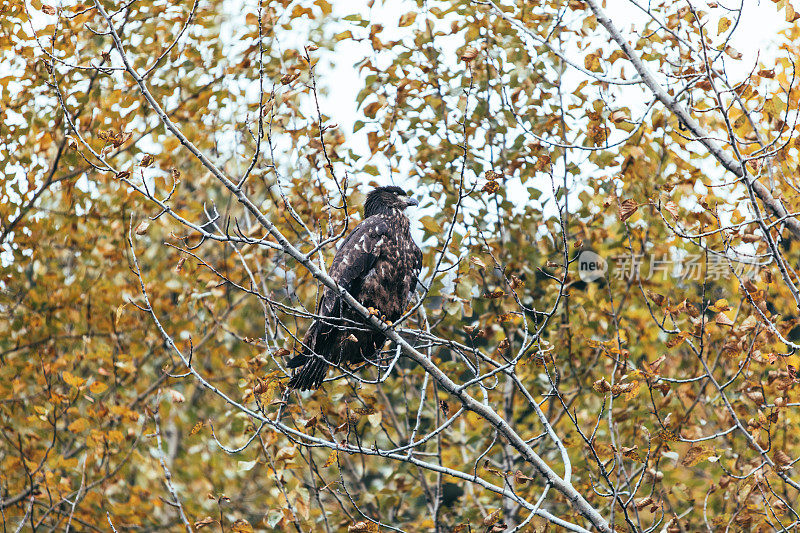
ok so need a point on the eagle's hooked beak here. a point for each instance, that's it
(411, 201)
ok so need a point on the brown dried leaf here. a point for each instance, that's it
(491, 187)
(521, 478)
(176, 396)
(363, 527)
(666, 435)
(782, 458)
(241, 526)
(723, 320)
(749, 323)
(672, 208)
(619, 115)
(696, 454)
(643, 502)
(141, 229)
(207, 521)
(491, 518)
(602, 386)
(469, 53)
(733, 52)
(626, 209)
(491, 175)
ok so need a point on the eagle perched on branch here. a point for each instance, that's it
(378, 264)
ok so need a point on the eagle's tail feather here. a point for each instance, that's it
(311, 375)
(297, 361)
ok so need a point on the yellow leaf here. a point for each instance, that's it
(749, 323)
(430, 224)
(331, 459)
(98, 387)
(79, 425)
(591, 62)
(73, 380)
(723, 25)
(407, 19)
(695, 454)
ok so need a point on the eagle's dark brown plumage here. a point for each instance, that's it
(378, 264)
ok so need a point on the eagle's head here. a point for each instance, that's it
(385, 199)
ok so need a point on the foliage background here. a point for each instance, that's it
(657, 387)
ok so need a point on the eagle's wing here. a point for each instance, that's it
(357, 255)
(352, 262)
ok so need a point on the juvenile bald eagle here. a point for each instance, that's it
(378, 264)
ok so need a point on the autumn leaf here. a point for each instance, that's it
(641, 503)
(79, 425)
(331, 459)
(241, 526)
(98, 387)
(73, 380)
(732, 52)
(176, 396)
(141, 229)
(696, 454)
(207, 521)
(601, 386)
(749, 323)
(631, 453)
(791, 14)
(147, 160)
(672, 208)
(363, 526)
(407, 19)
(620, 115)
(491, 518)
(666, 435)
(491, 187)
(626, 209)
(430, 224)
(723, 320)
(469, 54)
